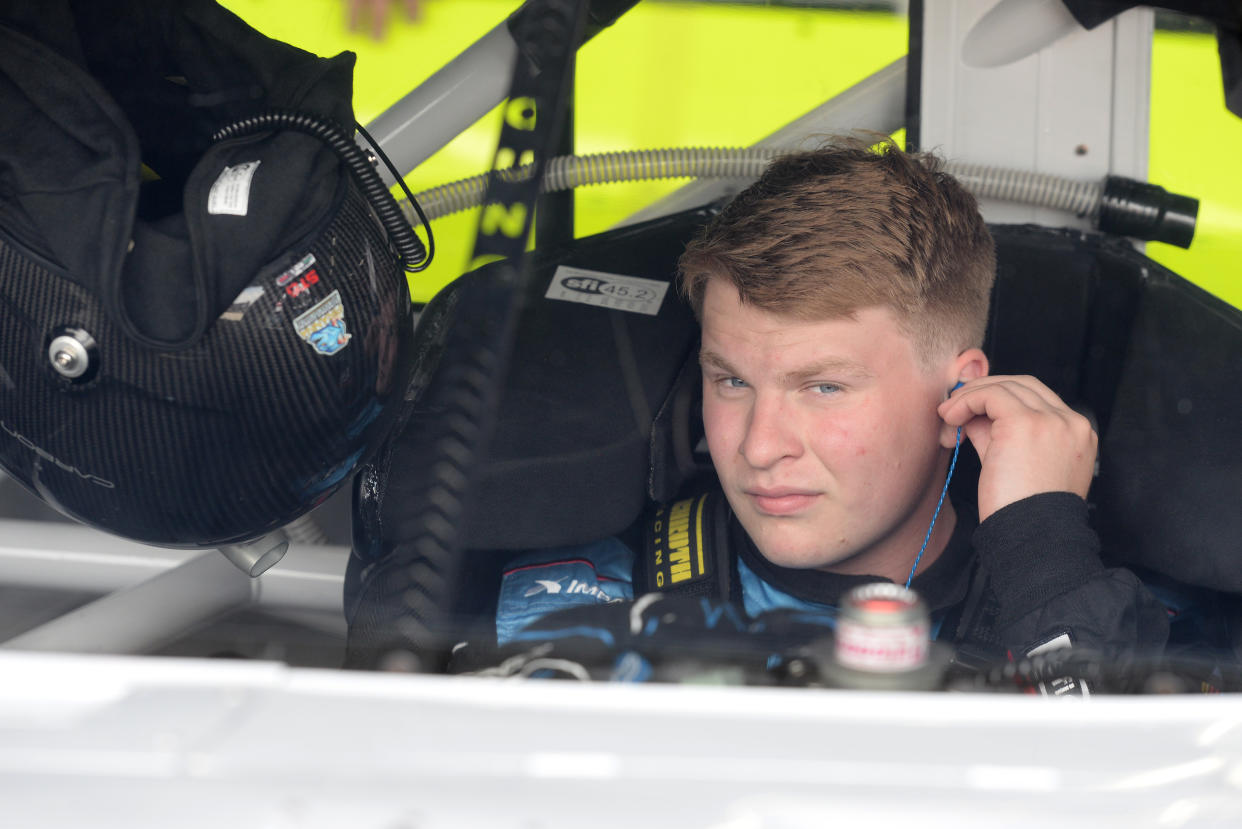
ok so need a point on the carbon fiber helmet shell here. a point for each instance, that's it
(238, 367)
(226, 440)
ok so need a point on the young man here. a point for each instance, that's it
(843, 300)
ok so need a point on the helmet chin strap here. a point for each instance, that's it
(943, 491)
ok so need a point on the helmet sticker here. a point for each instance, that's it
(248, 297)
(299, 286)
(323, 326)
(297, 270)
(230, 194)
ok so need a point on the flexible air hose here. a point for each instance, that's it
(1039, 189)
(564, 172)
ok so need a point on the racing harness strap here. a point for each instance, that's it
(686, 550)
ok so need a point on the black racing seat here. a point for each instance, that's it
(1158, 362)
(600, 409)
(600, 343)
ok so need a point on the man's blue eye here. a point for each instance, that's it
(735, 383)
(827, 388)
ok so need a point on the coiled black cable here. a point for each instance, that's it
(414, 256)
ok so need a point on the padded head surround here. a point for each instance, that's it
(570, 457)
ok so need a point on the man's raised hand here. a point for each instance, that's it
(1028, 440)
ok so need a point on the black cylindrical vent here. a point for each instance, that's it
(1147, 211)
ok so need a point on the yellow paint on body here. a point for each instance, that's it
(707, 74)
(1196, 149)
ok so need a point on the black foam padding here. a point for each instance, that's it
(1040, 305)
(569, 459)
(1171, 459)
(1062, 308)
(1157, 363)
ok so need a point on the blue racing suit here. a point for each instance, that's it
(1028, 576)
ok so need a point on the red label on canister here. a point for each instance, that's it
(882, 628)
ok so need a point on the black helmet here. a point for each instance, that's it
(199, 338)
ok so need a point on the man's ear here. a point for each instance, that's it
(971, 364)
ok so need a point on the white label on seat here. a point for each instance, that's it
(231, 193)
(607, 290)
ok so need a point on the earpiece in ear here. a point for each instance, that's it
(960, 383)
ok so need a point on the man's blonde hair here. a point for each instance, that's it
(824, 234)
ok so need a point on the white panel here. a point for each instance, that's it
(134, 743)
(1077, 108)
(1132, 92)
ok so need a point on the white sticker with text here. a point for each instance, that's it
(230, 195)
(607, 290)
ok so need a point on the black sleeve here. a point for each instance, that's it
(1042, 562)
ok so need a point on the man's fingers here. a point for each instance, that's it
(994, 401)
(1003, 396)
(978, 431)
(1028, 440)
(1024, 383)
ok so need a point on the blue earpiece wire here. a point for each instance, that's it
(940, 503)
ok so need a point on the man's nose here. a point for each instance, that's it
(771, 433)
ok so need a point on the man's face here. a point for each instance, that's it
(824, 434)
